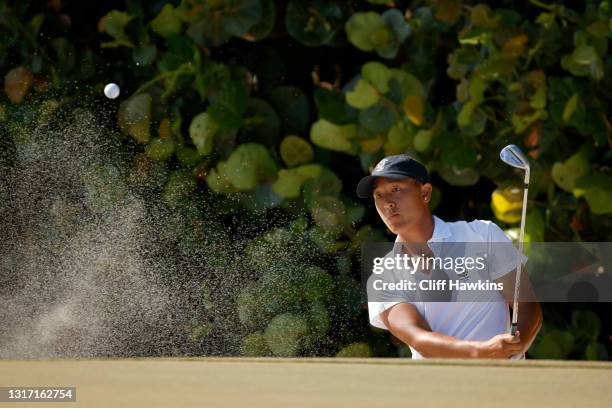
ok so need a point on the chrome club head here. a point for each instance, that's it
(513, 156)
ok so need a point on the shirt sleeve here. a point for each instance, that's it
(503, 254)
(375, 309)
(380, 301)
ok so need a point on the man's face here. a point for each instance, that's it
(401, 203)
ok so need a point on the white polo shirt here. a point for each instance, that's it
(471, 320)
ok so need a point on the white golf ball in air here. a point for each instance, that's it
(111, 91)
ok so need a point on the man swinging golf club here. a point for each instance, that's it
(401, 190)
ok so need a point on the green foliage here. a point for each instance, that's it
(295, 150)
(134, 117)
(114, 24)
(229, 105)
(160, 149)
(289, 182)
(318, 320)
(168, 22)
(330, 136)
(355, 350)
(249, 307)
(217, 109)
(180, 186)
(317, 284)
(370, 31)
(580, 340)
(249, 164)
(254, 345)
(216, 22)
(315, 22)
(200, 332)
(202, 131)
(285, 333)
(292, 106)
(104, 187)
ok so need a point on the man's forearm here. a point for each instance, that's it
(529, 322)
(433, 344)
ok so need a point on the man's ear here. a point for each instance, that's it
(426, 189)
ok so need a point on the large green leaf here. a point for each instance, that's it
(422, 140)
(168, 22)
(333, 137)
(363, 96)
(584, 61)
(218, 180)
(565, 173)
(114, 23)
(202, 131)
(285, 333)
(597, 191)
(399, 138)
(378, 118)
(160, 149)
(377, 74)
(249, 164)
(295, 151)
(407, 84)
(400, 29)
(289, 182)
(368, 31)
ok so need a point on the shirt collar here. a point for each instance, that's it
(441, 231)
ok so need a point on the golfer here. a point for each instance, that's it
(401, 190)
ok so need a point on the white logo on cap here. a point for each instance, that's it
(381, 165)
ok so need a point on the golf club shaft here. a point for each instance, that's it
(517, 283)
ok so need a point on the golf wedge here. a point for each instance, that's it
(514, 157)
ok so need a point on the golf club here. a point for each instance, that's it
(513, 156)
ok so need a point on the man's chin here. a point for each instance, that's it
(395, 226)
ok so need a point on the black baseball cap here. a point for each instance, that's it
(396, 167)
